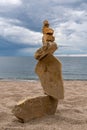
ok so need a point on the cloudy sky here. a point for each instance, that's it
(21, 23)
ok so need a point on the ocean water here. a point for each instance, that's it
(22, 68)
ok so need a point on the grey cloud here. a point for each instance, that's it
(68, 32)
(61, 14)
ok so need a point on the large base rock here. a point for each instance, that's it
(35, 107)
(49, 71)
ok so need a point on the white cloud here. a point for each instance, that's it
(9, 2)
(73, 31)
(18, 34)
(77, 35)
(22, 35)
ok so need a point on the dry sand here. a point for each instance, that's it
(71, 112)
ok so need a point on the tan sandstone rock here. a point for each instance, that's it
(45, 50)
(35, 107)
(49, 71)
(47, 33)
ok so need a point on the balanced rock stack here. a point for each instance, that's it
(49, 72)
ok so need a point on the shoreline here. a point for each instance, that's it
(37, 80)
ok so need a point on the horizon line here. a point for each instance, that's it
(73, 55)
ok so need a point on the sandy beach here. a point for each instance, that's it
(71, 112)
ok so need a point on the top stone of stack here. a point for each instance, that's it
(49, 46)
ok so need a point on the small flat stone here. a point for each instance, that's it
(45, 50)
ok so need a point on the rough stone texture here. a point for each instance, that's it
(47, 30)
(47, 33)
(49, 71)
(45, 50)
(35, 107)
(47, 38)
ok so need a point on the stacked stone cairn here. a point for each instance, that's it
(49, 72)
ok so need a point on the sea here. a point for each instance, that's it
(23, 68)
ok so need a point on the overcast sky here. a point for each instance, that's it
(21, 23)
